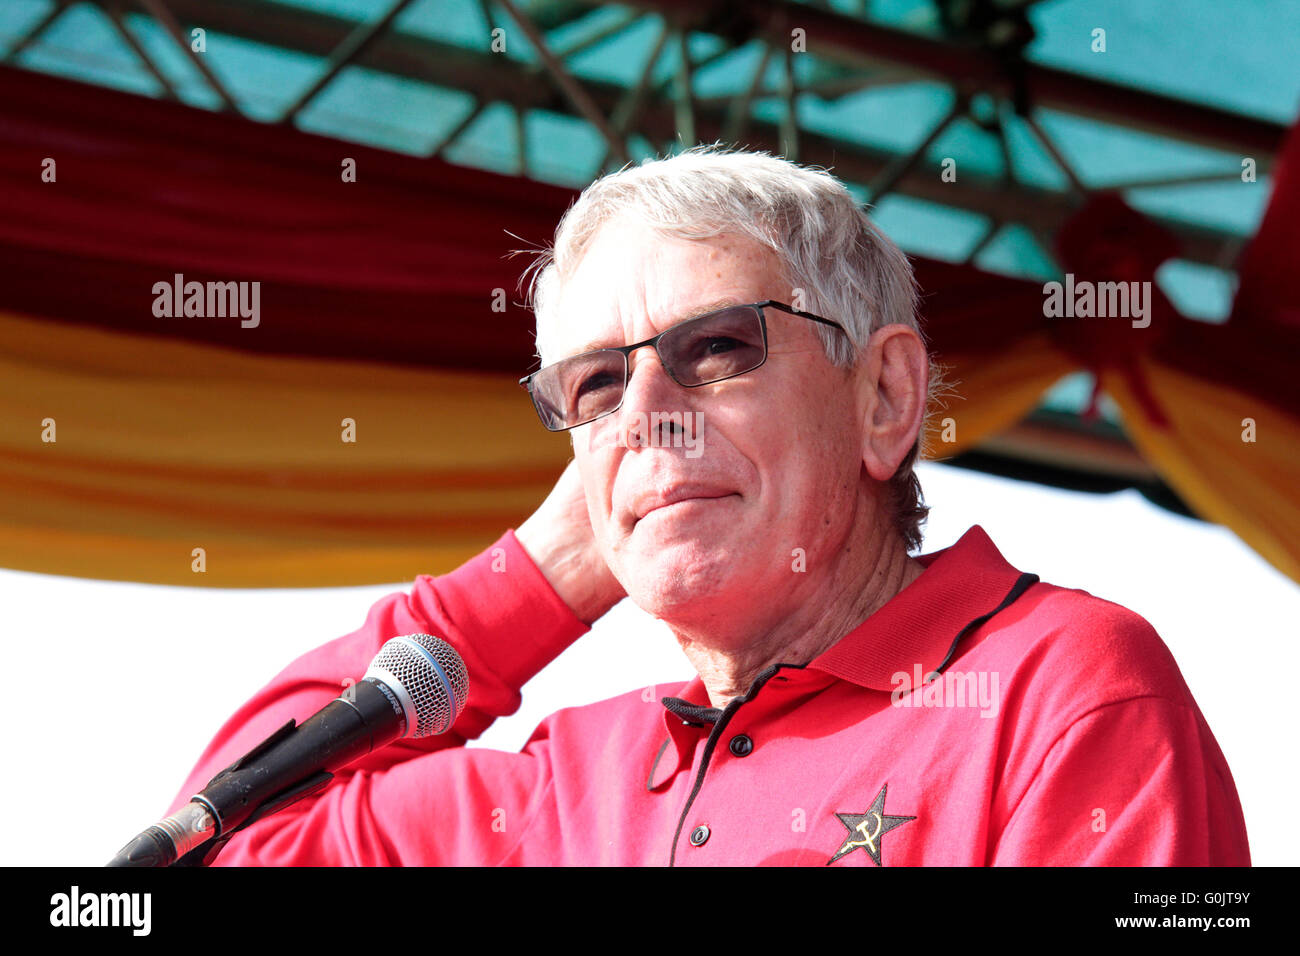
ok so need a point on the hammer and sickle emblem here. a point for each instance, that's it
(866, 830)
(868, 839)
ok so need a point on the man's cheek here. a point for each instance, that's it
(607, 532)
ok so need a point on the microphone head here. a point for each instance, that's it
(428, 677)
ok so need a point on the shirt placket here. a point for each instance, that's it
(710, 825)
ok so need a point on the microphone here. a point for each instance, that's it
(415, 687)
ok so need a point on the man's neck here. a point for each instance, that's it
(812, 627)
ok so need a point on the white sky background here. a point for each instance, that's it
(114, 689)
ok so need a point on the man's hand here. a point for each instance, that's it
(559, 539)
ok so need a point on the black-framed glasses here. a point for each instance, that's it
(699, 351)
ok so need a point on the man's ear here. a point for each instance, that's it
(892, 391)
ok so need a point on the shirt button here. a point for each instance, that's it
(741, 745)
(699, 835)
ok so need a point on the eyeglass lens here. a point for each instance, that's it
(695, 352)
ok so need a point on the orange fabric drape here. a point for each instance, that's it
(1232, 457)
(162, 447)
(988, 392)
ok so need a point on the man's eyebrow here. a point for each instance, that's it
(693, 312)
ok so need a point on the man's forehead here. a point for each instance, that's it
(636, 274)
(597, 335)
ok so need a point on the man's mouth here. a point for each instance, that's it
(656, 501)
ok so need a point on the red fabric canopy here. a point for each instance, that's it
(398, 266)
(401, 265)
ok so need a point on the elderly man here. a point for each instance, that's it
(734, 351)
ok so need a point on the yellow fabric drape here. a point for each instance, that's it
(1248, 486)
(989, 392)
(165, 446)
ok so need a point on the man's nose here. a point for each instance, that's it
(649, 396)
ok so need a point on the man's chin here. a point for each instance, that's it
(681, 579)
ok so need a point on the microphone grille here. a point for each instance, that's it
(429, 674)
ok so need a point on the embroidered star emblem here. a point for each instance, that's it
(867, 829)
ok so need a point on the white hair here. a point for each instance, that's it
(845, 268)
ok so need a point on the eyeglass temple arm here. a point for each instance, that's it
(805, 315)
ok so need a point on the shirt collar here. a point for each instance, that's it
(915, 631)
(920, 625)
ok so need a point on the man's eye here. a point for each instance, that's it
(717, 344)
(594, 382)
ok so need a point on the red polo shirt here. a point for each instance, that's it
(1054, 728)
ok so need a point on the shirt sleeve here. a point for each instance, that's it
(1138, 782)
(428, 801)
